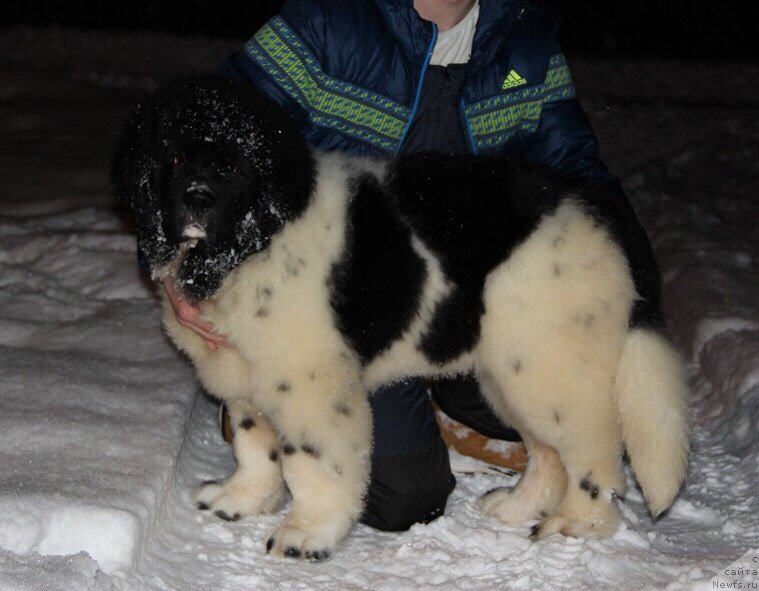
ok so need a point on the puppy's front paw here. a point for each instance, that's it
(307, 540)
(238, 497)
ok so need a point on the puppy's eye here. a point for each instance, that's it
(178, 159)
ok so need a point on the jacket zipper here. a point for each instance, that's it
(419, 87)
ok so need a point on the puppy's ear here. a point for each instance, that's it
(133, 161)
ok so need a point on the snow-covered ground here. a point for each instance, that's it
(103, 432)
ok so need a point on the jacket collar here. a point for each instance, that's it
(414, 34)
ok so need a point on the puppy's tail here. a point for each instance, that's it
(652, 396)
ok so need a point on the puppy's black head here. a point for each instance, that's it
(210, 163)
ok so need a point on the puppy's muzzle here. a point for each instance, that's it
(198, 200)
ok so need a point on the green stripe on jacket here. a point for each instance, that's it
(495, 120)
(330, 102)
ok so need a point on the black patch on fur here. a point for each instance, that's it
(247, 423)
(274, 455)
(556, 270)
(283, 387)
(269, 545)
(586, 320)
(203, 506)
(377, 284)
(516, 365)
(311, 450)
(262, 312)
(288, 449)
(470, 211)
(590, 487)
(556, 417)
(342, 409)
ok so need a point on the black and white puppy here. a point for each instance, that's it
(330, 276)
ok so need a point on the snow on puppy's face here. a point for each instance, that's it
(199, 183)
(212, 171)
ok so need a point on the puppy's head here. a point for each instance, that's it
(212, 171)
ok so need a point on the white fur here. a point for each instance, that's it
(554, 329)
(290, 360)
(555, 324)
(653, 401)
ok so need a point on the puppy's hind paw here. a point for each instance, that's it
(505, 505)
(574, 528)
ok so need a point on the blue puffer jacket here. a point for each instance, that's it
(351, 72)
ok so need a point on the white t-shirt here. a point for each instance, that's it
(454, 46)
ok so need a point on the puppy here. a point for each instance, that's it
(330, 276)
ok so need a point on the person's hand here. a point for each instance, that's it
(189, 316)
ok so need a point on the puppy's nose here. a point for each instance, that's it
(197, 200)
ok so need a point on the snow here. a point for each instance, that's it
(104, 433)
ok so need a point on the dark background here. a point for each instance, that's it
(634, 28)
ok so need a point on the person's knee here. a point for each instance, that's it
(410, 488)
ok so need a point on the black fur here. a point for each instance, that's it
(589, 487)
(247, 423)
(311, 450)
(377, 285)
(254, 168)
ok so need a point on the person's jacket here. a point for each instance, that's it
(352, 73)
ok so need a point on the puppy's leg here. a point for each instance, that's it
(324, 421)
(538, 492)
(257, 485)
(567, 422)
(557, 318)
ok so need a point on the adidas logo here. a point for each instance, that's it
(513, 80)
